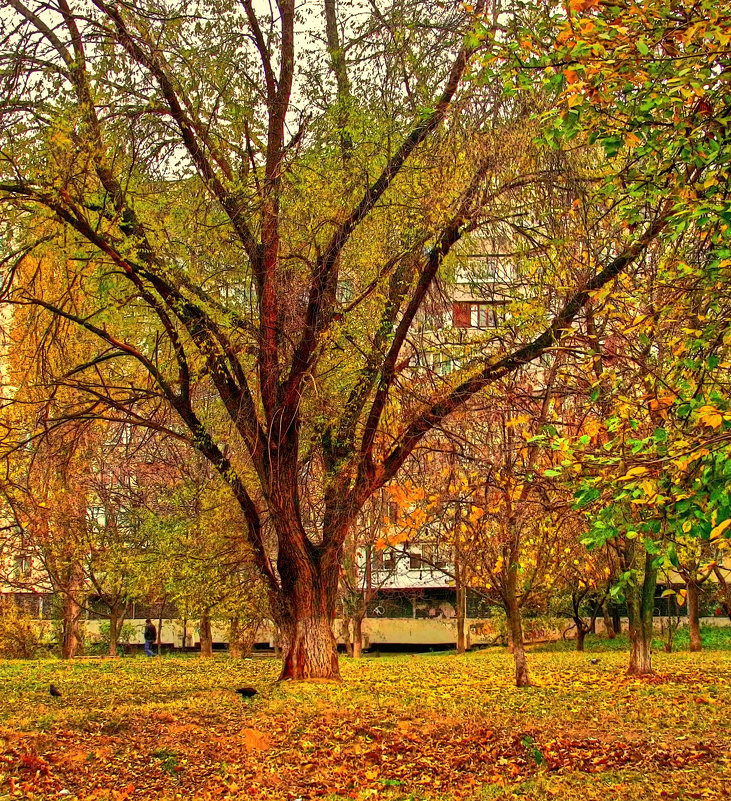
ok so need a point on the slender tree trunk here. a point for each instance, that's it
(206, 635)
(582, 629)
(515, 630)
(358, 635)
(347, 633)
(113, 633)
(159, 628)
(640, 607)
(616, 620)
(117, 615)
(608, 623)
(461, 608)
(694, 623)
(725, 589)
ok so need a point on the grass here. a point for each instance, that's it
(433, 727)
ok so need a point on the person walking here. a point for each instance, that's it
(150, 637)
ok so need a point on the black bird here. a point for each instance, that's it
(54, 691)
(246, 692)
(594, 661)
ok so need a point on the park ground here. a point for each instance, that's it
(429, 727)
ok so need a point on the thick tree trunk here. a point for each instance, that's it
(305, 612)
(206, 635)
(71, 626)
(309, 648)
(640, 607)
(580, 637)
(694, 623)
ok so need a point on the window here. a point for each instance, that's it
(22, 566)
(345, 291)
(384, 561)
(432, 558)
(414, 561)
(471, 314)
(483, 315)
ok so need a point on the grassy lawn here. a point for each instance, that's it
(428, 727)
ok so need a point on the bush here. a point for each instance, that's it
(20, 634)
(101, 644)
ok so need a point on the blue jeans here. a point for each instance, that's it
(148, 648)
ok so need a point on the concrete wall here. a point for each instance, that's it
(377, 631)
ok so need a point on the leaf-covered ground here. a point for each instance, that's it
(433, 727)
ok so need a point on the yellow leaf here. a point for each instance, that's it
(720, 528)
(710, 416)
(633, 473)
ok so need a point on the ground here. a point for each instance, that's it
(431, 727)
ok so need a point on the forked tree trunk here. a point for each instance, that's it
(694, 623)
(640, 607)
(206, 635)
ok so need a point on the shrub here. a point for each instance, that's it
(20, 634)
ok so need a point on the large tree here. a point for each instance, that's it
(253, 206)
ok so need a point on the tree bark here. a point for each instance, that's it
(461, 608)
(515, 630)
(159, 627)
(694, 623)
(71, 626)
(608, 623)
(71, 611)
(306, 610)
(206, 635)
(725, 590)
(235, 649)
(640, 608)
(116, 621)
(616, 620)
(580, 637)
(357, 635)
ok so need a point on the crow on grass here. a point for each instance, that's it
(246, 692)
(54, 691)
